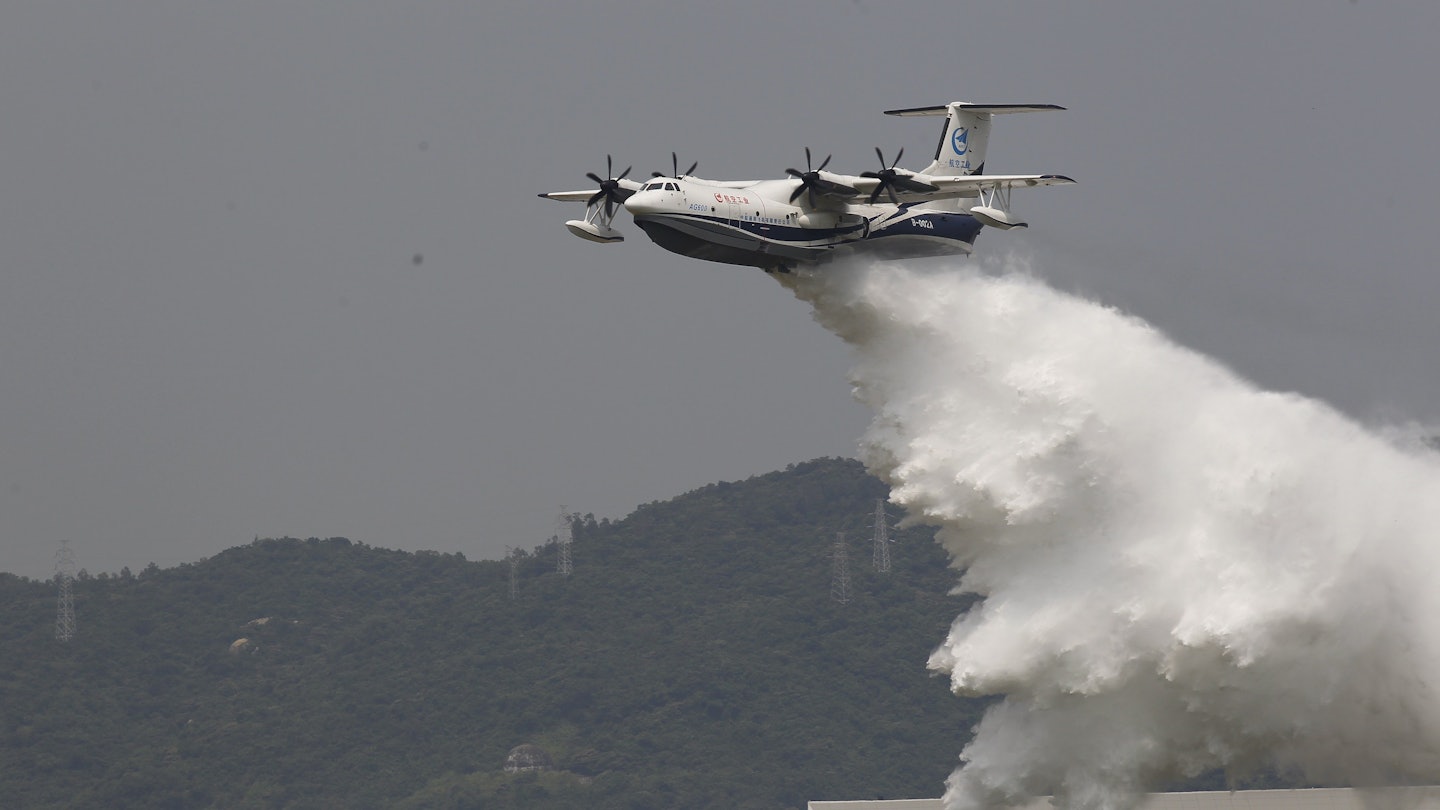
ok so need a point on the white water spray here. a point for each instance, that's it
(1180, 572)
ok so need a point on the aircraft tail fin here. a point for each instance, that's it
(967, 132)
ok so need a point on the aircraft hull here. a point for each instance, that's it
(767, 246)
(714, 241)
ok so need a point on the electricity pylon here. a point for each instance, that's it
(840, 577)
(563, 538)
(65, 605)
(512, 555)
(881, 557)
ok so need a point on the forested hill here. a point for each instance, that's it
(694, 658)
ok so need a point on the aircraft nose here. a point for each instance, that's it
(643, 202)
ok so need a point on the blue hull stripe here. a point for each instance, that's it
(769, 245)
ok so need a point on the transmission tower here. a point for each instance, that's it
(882, 538)
(840, 577)
(513, 556)
(65, 605)
(563, 539)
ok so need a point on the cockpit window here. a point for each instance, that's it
(671, 187)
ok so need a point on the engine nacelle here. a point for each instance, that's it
(603, 234)
(996, 218)
(817, 219)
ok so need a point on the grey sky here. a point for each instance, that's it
(213, 326)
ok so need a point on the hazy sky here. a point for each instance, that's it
(213, 323)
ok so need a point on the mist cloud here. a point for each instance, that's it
(1180, 571)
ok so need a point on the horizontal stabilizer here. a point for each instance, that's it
(988, 109)
(967, 132)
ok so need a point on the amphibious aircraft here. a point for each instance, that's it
(812, 216)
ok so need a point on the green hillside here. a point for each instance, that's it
(695, 658)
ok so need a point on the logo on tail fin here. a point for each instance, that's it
(959, 140)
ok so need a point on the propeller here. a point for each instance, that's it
(675, 168)
(890, 179)
(609, 188)
(811, 181)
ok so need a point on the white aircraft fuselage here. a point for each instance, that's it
(753, 223)
(812, 216)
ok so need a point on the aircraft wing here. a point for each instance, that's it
(570, 196)
(970, 184)
(958, 186)
(627, 188)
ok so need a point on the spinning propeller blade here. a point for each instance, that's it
(890, 179)
(609, 188)
(811, 181)
(675, 168)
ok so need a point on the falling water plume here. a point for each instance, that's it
(1180, 571)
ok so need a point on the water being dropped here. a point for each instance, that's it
(1180, 571)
